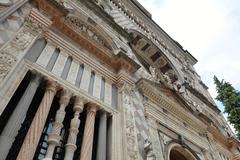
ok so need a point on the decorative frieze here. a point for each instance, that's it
(87, 30)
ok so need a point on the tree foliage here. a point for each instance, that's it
(230, 98)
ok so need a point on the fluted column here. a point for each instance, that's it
(87, 144)
(102, 137)
(34, 133)
(54, 137)
(73, 131)
(14, 123)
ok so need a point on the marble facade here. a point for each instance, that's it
(99, 79)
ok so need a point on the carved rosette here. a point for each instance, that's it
(130, 130)
(11, 52)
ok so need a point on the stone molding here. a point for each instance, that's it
(175, 108)
(76, 91)
(148, 31)
(104, 55)
(115, 77)
(154, 113)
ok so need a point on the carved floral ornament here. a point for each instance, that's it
(87, 30)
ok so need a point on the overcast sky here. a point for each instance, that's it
(209, 30)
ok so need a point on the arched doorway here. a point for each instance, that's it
(178, 152)
(176, 155)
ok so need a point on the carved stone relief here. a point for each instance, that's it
(87, 30)
(10, 53)
(149, 151)
(131, 140)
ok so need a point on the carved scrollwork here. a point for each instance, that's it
(6, 62)
(32, 26)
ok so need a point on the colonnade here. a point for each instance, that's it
(34, 132)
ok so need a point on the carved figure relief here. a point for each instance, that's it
(6, 62)
(10, 52)
(149, 150)
(132, 151)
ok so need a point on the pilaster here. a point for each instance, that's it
(154, 138)
(130, 145)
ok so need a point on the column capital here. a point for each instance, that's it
(79, 104)
(65, 97)
(52, 86)
(92, 107)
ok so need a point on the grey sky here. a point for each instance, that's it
(208, 29)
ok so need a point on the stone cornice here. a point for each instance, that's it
(202, 98)
(117, 62)
(153, 29)
(172, 123)
(233, 142)
(218, 136)
(72, 50)
(74, 89)
(107, 18)
(169, 104)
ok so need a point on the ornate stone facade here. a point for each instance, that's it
(100, 80)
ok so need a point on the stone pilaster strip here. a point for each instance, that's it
(102, 137)
(54, 137)
(87, 144)
(73, 131)
(34, 133)
(130, 143)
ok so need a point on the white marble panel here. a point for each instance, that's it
(85, 78)
(108, 93)
(46, 54)
(97, 86)
(72, 74)
(60, 63)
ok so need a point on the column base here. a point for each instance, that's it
(71, 147)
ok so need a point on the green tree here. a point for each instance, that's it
(230, 98)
